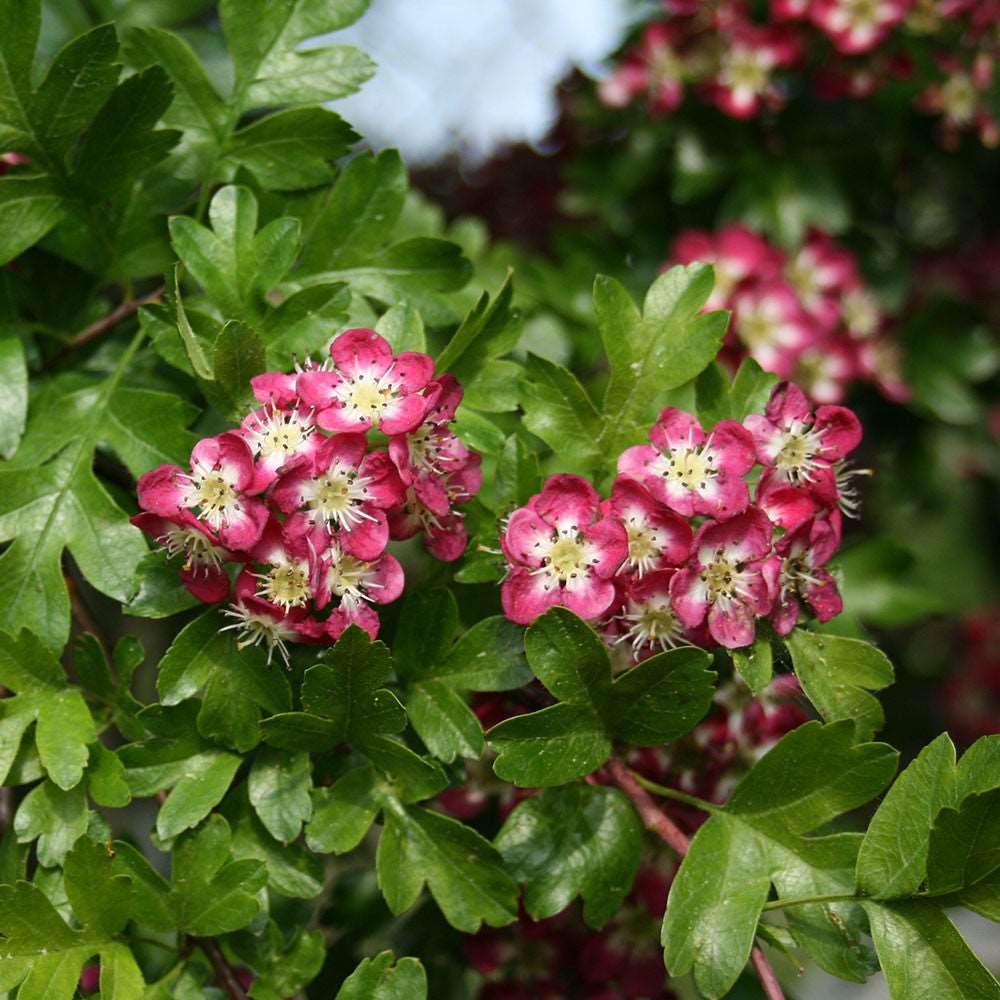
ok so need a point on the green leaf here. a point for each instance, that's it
(106, 780)
(807, 779)
(292, 149)
(893, 857)
(232, 261)
(837, 675)
(756, 664)
(237, 684)
(549, 747)
(196, 104)
(443, 720)
(271, 69)
(662, 698)
(378, 979)
(212, 894)
(122, 141)
(55, 817)
(558, 410)
(13, 393)
(718, 398)
(206, 780)
(670, 345)
(403, 327)
(923, 955)
(348, 689)
(486, 332)
(46, 508)
(715, 902)
(17, 48)
(343, 813)
(279, 785)
(428, 621)
(488, 657)
(238, 355)
(518, 475)
(357, 215)
(192, 346)
(81, 77)
(63, 724)
(965, 843)
(463, 871)
(575, 840)
(102, 901)
(415, 778)
(29, 208)
(160, 592)
(567, 656)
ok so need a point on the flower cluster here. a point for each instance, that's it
(807, 315)
(745, 64)
(680, 552)
(300, 507)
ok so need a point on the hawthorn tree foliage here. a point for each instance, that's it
(190, 821)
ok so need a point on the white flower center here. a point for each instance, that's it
(645, 544)
(365, 394)
(254, 628)
(959, 98)
(689, 466)
(796, 572)
(336, 496)
(213, 494)
(861, 313)
(286, 585)
(651, 623)
(798, 457)
(350, 578)
(760, 326)
(746, 70)
(198, 550)
(278, 433)
(726, 580)
(566, 558)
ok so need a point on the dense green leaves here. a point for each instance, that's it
(655, 702)
(575, 840)
(811, 776)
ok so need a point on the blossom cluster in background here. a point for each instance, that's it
(680, 552)
(970, 696)
(561, 957)
(299, 501)
(834, 48)
(806, 315)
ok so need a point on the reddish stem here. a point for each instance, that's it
(224, 974)
(655, 819)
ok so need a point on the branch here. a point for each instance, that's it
(224, 973)
(92, 332)
(655, 819)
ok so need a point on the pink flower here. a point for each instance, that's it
(655, 67)
(737, 254)
(276, 389)
(203, 571)
(445, 536)
(826, 369)
(368, 386)
(801, 577)
(258, 622)
(690, 471)
(646, 619)
(277, 437)
(217, 489)
(770, 321)
(729, 580)
(657, 537)
(341, 490)
(798, 450)
(820, 272)
(287, 580)
(860, 312)
(743, 84)
(858, 25)
(561, 551)
(355, 583)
